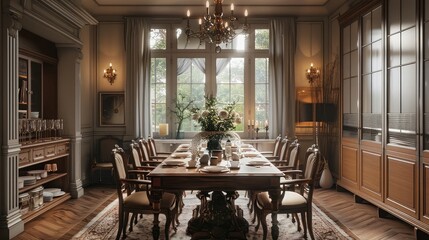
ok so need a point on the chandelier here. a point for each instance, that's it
(214, 28)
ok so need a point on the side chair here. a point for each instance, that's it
(152, 149)
(135, 196)
(276, 148)
(293, 201)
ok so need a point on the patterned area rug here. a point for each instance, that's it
(105, 224)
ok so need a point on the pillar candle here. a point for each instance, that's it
(163, 129)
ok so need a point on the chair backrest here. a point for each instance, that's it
(311, 166)
(276, 145)
(135, 154)
(151, 145)
(283, 150)
(104, 146)
(293, 153)
(143, 144)
(120, 171)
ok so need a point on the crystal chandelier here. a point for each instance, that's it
(312, 74)
(214, 28)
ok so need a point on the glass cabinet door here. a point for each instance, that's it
(426, 77)
(372, 76)
(350, 80)
(30, 88)
(402, 73)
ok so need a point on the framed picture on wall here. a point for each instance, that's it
(112, 109)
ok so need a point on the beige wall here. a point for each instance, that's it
(110, 49)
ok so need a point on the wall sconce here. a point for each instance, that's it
(110, 74)
(312, 74)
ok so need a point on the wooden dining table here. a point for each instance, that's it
(251, 177)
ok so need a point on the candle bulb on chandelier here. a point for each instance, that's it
(207, 7)
(232, 7)
(266, 123)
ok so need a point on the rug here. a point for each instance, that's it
(105, 224)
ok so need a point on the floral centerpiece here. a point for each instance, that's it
(215, 122)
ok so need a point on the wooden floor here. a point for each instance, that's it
(67, 219)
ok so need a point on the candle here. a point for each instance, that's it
(232, 6)
(188, 13)
(207, 7)
(266, 123)
(253, 122)
(163, 129)
(200, 21)
(246, 13)
(248, 122)
(256, 123)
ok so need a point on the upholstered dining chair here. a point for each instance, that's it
(138, 198)
(276, 148)
(293, 201)
(152, 149)
(102, 162)
(147, 159)
(282, 157)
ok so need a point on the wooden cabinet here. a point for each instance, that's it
(385, 137)
(35, 157)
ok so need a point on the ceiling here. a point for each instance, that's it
(177, 8)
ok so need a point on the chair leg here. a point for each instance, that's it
(168, 224)
(296, 218)
(121, 224)
(310, 223)
(258, 213)
(264, 224)
(304, 224)
(124, 229)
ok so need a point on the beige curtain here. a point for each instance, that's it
(138, 77)
(282, 76)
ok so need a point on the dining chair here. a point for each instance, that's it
(141, 172)
(102, 159)
(293, 201)
(292, 164)
(152, 148)
(146, 158)
(282, 157)
(276, 148)
(135, 196)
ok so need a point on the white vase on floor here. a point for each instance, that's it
(326, 180)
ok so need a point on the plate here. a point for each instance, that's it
(257, 163)
(173, 162)
(59, 194)
(52, 190)
(250, 154)
(181, 154)
(215, 169)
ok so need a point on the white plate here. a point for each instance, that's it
(173, 162)
(59, 194)
(215, 169)
(181, 154)
(257, 163)
(250, 154)
(38, 173)
(52, 190)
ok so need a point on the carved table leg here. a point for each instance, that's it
(157, 207)
(274, 195)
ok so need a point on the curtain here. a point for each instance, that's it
(137, 36)
(282, 76)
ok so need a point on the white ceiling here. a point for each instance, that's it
(177, 8)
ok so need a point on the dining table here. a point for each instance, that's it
(217, 186)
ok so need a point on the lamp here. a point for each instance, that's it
(110, 74)
(312, 74)
(214, 28)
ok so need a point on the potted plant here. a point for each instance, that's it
(182, 110)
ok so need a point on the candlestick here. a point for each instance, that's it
(266, 131)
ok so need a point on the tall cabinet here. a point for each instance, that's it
(383, 75)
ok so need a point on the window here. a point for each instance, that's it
(192, 68)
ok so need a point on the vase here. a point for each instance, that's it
(326, 180)
(214, 144)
